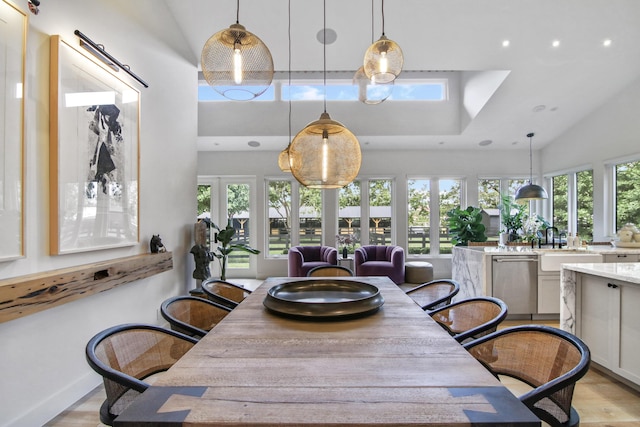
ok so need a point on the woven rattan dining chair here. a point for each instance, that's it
(191, 315)
(127, 355)
(548, 359)
(470, 318)
(224, 293)
(434, 294)
(329, 271)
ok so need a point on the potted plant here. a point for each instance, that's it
(465, 225)
(223, 238)
(512, 216)
(346, 240)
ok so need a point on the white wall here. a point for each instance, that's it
(610, 132)
(42, 362)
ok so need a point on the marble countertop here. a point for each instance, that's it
(524, 250)
(624, 271)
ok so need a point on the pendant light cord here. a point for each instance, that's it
(324, 58)
(371, 21)
(530, 158)
(382, 17)
(237, 11)
(289, 88)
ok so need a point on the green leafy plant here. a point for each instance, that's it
(512, 215)
(223, 238)
(465, 225)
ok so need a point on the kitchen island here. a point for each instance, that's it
(473, 268)
(600, 305)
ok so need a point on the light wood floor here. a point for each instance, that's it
(600, 400)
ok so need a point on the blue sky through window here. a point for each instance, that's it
(430, 91)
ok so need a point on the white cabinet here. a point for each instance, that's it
(608, 321)
(621, 257)
(548, 293)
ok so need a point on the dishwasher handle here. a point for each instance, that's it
(512, 259)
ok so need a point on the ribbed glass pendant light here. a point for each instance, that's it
(531, 191)
(325, 154)
(383, 60)
(236, 63)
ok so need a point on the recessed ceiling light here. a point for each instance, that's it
(539, 108)
(607, 42)
(331, 36)
(505, 43)
(253, 144)
(555, 43)
(485, 142)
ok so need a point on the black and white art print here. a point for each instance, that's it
(94, 154)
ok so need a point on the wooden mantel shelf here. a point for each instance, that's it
(24, 295)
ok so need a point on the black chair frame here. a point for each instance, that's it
(477, 330)
(181, 325)
(546, 390)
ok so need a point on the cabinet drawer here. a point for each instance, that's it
(621, 257)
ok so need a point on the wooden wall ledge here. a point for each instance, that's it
(24, 295)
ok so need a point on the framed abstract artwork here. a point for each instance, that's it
(13, 38)
(94, 154)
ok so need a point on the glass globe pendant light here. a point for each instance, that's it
(325, 154)
(370, 92)
(236, 63)
(383, 60)
(531, 191)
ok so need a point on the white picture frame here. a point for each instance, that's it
(94, 154)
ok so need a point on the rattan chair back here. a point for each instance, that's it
(329, 271)
(224, 293)
(191, 315)
(548, 359)
(434, 294)
(471, 318)
(126, 355)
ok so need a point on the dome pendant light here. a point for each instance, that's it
(370, 92)
(236, 63)
(531, 191)
(325, 154)
(383, 60)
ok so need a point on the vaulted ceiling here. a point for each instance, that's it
(497, 93)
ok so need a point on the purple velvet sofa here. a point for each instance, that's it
(304, 258)
(380, 261)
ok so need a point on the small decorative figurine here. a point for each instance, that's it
(202, 257)
(156, 244)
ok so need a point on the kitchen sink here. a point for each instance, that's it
(552, 260)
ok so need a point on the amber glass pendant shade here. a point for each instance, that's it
(283, 160)
(383, 61)
(325, 154)
(237, 64)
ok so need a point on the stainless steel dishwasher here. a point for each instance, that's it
(515, 281)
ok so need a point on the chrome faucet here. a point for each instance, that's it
(553, 238)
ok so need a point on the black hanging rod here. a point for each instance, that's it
(99, 52)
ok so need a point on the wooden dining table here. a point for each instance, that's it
(395, 366)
